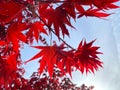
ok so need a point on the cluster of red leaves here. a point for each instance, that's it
(44, 82)
(23, 21)
(9, 68)
(83, 58)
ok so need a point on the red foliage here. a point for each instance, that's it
(59, 18)
(86, 57)
(35, 29)
(14, 35)
(9, 10)
(23, 21)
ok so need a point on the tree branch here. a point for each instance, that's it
(55, 33)
(31, 8)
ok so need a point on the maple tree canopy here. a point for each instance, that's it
(26, 21)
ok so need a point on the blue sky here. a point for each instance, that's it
(107, 33)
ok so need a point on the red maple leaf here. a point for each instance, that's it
(2, 43)
(49, 55)
(59, 18)
(70, 9)
(86, 57)
(8, 68)
(66, 62)
(93, 13)
(14, 34)
(35, 29)
(105, 4)
(9, 10)
(100, 4)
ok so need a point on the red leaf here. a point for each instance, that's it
(8, 68)
(35, 29)
(9, 10)
(12, 61)
(2, 43)
(48, 57)
(59, 19)
(86, 57)
(94, 13)
(70, 9)
(112, 6)
(68, 62)
(80, 8)
(105, 4)
(14, 34)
